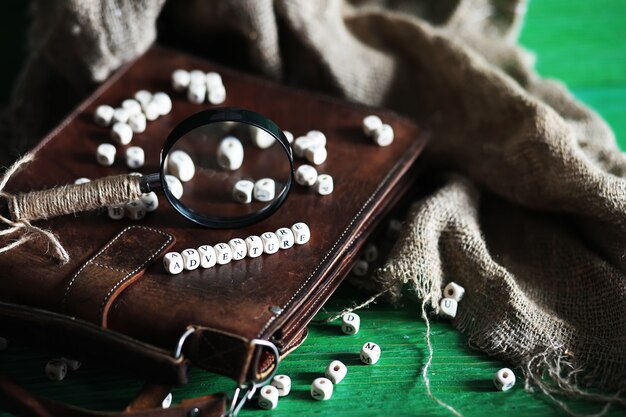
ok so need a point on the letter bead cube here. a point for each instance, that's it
(321, 389)
(180, 164)
(324, 184)
(150, 201)
(316, 154)
(301, 232)
(318, 138)
(268, 397)
(242, 191)
(230, 153)
(270, 242)
(135, 210)
(174, 186)
(262, 139)
(223, 253)
(131, 106)
(167, 401)
(196, 93)
(105, 154)
(306, 175)
(336, 371)
(213, 80)
(143, 97)
(163, 101)
(383, 136)
(286, 239)
(180, 80)
(504, 379)
(264, 190)
(103, 115)
(151, 110)
(121, 133)
(137, 122)
(135, 157)
(173, 262)
(116, 212)
(56, 370)
(301, 144)
(454, 291)
(350, 323)
(216, 95)
(447, 308)
(191, 259)
(370, 353)
(371, 124)
(120, 115)
(82, 180)
(208, 257)
(255, 246)
(282, 384)
(238, 246)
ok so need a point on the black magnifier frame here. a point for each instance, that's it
(217, 115)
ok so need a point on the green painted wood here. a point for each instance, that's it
(581, 43)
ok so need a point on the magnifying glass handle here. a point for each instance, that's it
(74, 198)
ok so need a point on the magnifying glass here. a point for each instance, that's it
(220, 168)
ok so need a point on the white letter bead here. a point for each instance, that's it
(321, 389)
(82, 180)
(167, 401)
(350, 323)
(116, 212)
(286, 239)
(306, 175)
(238, 246)
(213, 79)
(56, 370)
(282, 384)
(216, 95)
(208, 257)
(180, 164)
(454, 291)
(319, 139)
(173, 262)
(223, 253)
(360, 268)
(270, 242)
(103, 115)
(191, 259)
(336, 371)
(151, 110)
(105, 154)
(268, 398)
(264, 190)
(316, 154)
(230, 153)
(137, 122)
(131, 106)
(135, 157)
(370, 353)
(163, 101)
(143, 97)
(370, 252)
(301, 144)
(371, 124)
(301, 232)
(504, 379)
(242, 191)
(197, 77)
(448, 308)
(120, 115)
(121, 133)
(196, 93)
(262, 139)
(180, 80)
(289, 136)
(324, 184)
(255, 246)
(150, 201)
(135, 210)
(384, 135)
(174, 186)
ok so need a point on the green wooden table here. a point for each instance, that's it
(579, 42)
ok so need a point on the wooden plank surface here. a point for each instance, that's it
(579, 42)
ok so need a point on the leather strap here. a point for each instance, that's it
(93, 288)
(17, 400)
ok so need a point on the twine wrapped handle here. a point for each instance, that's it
(37, 205)
(74, 198)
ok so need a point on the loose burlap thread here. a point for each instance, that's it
(529, 213)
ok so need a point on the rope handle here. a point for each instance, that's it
(74, 198)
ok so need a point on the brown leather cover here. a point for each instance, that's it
(271, 297)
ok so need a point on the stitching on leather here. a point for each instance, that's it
(109, 267)
(356, 216)
(92, 260)
(139, 268)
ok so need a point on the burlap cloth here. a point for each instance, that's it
(529, 213)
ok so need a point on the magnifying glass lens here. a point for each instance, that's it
(230, 172)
